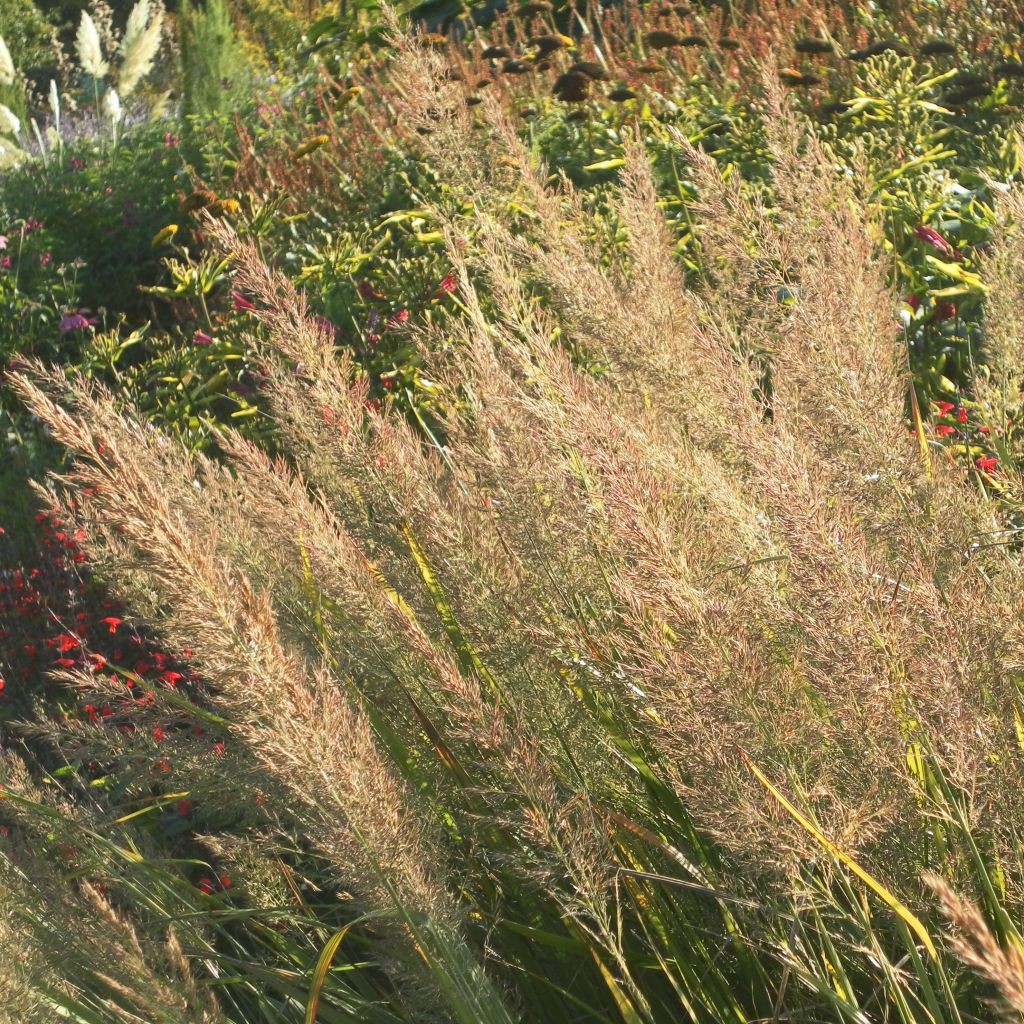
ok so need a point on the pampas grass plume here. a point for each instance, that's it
(139, 46)
(7, 72)
(90, 51)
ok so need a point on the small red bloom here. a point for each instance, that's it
(205, 886)
(961, 415)
(239, 302)
(945, 408)
(367, 291)
(111, 622)
(986, 463)
(944, 311)
(943, 430)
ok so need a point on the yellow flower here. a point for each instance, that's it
(223, 207)
(310, 145)
(164, 235)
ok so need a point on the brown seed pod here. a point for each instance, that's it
(621, 94)
(496, 53)
(452, 75)
(937, 48)
(726, 43)
(661, 40)
(577, 115)
(482, 83)
(693, 41)
(651, 67)
(474, 101)
(594, 71)
(571, 87)
(515, 67)
(812, 45)
(528, 113)
(543, 65)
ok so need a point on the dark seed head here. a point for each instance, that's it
(958, 97)
(1009, 69)
(937, 48)
(576, 115)
(810, 45)
(532, 7)
(798, 78)
(571, 87)
(652, 67)
(591, 69)
(549, 43)
(875, 49)
(661, 40)
(729, 44)
(621, 94)
(693, 41)
(474, 101)
(496, 52)
(515, 67)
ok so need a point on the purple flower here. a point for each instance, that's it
(77, 321)
(325, 327)
(201, 338)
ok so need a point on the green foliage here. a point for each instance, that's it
(214, 74)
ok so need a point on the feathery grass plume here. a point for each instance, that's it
(8, 74)
(53, 98)
(139, 46)
(289, 710)
(9, 123)
(112, 104)
(89, 48)
(86, 955)
(979, 949)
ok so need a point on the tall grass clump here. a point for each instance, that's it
(213, 72)
(645, 695)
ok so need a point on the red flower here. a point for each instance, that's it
(945, 408)
(205, 886)
(367, 291)
(111, 623)
(944, 311)
(239, 302)
(158, 734)
(68, 643)
(447, 285)
(986, 463)
(942, 430)
(170, 678)
(961, 415)
(913, 301)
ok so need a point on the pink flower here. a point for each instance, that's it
(944, 311)
(5, 262)
(44, 260)
(931, 237)
(239, 302)
(913, 301)
(77, 321)
(3, 241)
(201, 338)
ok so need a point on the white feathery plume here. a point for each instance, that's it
(9, 123)
(7, 72)
(112, 104)
(90, 51)
(55, 103)
(139, 46)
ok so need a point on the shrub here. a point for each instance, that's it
(214, 77)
